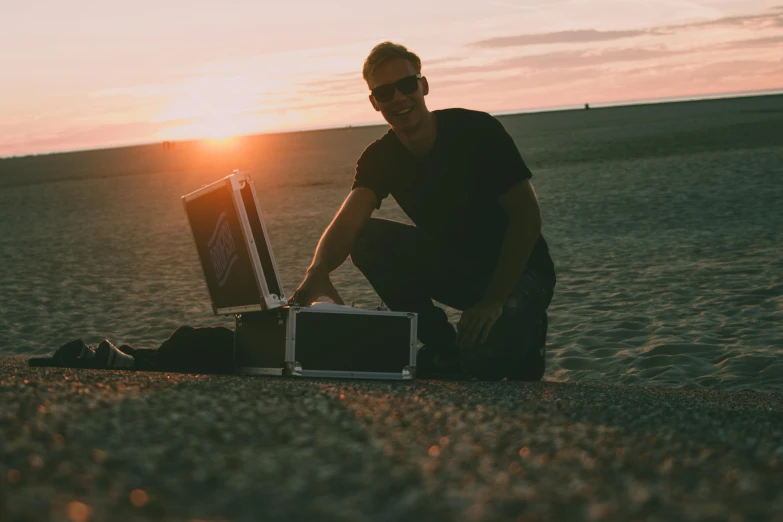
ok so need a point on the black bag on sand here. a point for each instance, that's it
(188, 349)
(199, 350)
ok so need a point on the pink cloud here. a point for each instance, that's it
(578, 36)
(755, 42)
(773, 18)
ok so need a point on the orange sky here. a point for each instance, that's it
(89, 74)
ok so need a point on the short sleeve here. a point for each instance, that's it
(502, 164)
(371, 172)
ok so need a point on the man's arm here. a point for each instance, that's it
(335, 245)
(521, 206)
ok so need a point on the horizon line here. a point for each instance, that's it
(511, 112)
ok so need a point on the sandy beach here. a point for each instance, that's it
(664, 223)
(662, 398)
(108, 445)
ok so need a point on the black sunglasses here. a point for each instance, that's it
(407, 85)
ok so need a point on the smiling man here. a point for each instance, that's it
(476, 245)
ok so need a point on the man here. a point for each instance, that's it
(476, 244)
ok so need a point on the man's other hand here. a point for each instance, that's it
(476, 323)
(316, 284)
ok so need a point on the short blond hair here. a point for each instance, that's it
(383, 52)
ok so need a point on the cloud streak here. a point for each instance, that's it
(577, 36)
(754, 42)
(580, 58)
(771, 19)
(774, 18)
(576, 59)
(562, 59)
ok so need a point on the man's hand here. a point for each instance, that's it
(476, 323)
(316, 284)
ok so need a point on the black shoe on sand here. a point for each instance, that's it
(532, 365)
(438, 364)
(515, 351)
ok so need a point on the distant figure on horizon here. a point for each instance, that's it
(587, 106)
(476, 245)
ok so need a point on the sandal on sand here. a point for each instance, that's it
(73, 354)
(74, 350)
(110, 357)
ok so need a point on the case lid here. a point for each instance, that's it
(233, 246)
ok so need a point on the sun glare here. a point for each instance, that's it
(213, 129)
(214, 108)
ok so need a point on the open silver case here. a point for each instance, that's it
(272, 338)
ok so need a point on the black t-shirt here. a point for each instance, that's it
(452, 194)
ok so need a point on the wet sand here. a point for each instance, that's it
(108, 445)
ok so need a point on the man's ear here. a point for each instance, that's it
(374, 104)
(425, 86)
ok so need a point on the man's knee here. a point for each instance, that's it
(365, 251)
(378, 241)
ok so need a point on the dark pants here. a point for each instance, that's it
(408, 270)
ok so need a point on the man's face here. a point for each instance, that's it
(403, 111)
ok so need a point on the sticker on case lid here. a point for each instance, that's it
(222, 250)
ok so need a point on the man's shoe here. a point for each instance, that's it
(513, 351)
(438, 364)
(532, 365)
